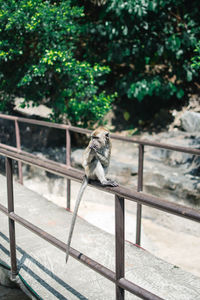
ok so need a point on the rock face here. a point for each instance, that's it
(171, 174)
(190, 121)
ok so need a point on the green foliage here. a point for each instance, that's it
(196, 58)
(5, 102)
(38, 60)
(147, 44)
(73, 55)
(94, 109)
(154, 86)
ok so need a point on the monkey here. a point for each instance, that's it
(96, 159)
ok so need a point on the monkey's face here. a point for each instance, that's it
(100, 138)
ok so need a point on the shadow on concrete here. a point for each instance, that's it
(21, 265)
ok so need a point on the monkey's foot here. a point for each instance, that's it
(109, 182)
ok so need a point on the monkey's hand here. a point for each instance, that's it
(94, 147)
(104, 159)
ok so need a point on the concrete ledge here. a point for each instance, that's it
(44, 269)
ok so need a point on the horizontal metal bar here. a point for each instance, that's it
(92, 264)
(60, 245)
(140, 197)
(188, 150)
(80, 130)
(137, 290)
(14, 149)
(34, 122)
(162, 204)
(4, 209)
(50, 166)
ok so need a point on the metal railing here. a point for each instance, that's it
(121, 193)
(141, 144)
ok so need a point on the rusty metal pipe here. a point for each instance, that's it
(11, 223)
(139, 189)
(136, 290)
(68, 163)
(18, 143)
(119, 244)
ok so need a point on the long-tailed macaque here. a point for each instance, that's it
(96, 160)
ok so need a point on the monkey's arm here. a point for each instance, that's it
(88, 156)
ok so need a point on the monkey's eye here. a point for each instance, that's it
(107, 135)
(95, 137)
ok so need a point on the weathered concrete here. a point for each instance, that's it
(97, 208)
(43, 266)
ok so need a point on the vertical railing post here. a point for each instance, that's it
(18, 144)
(68, 163)
(139, 188)
(11, 223)
(119, 244)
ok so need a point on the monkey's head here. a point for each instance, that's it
(100, 137)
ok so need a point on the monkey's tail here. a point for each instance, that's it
(80, 195)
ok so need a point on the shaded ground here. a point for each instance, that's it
(12, 294)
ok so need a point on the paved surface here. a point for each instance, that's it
(43, 266)
(97, 207)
